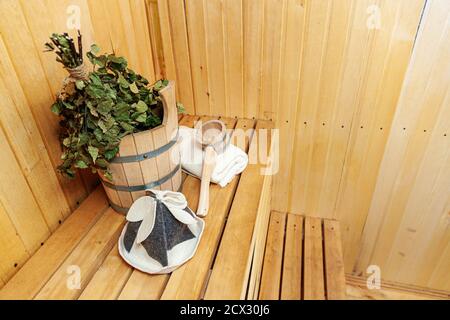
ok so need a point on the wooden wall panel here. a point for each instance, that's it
(34, 198)
(407, 231)
(330, 74)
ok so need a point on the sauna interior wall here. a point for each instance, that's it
(34, 198)
(359, 91)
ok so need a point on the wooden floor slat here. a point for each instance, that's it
(314, 288)
(292, 265)
(334, 264)
(41, 266)
(273, 260)
(142, 286)
(109, 280)
(87, 256)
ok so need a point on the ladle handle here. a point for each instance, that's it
(209, 163)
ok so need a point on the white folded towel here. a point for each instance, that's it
(230, 163)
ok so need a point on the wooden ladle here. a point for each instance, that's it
(212, 136)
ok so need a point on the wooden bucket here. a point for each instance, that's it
(147, 160)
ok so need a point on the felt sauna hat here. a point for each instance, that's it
(161, 234)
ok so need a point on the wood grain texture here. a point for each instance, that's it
(37, 271)
(406, 232)
(86, 258)
(334, 263)
(292, 263)
(314, 282)
(232, 266)
(188, 281)
(331, 78)
(109, 280)
(141, 286)
(303, 259)
(330, 74)
(29, 80)
(273, 258)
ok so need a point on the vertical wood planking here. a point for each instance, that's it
(329, 74)
(18, 200)
(271, 53)
(317, 15)
(215, 56)
(253, 15)
(29, 81)
(18, 40)
(138, 14)
(344, 74)
(371, 129)
(289, 89)
(195, 19)
(24, 138)
(167, 44)
(233, 47)
(176, 50)
(410, 188)
(155, 37)
(180, 45)
(14, 253)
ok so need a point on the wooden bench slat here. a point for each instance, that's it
(142, 286)
(273, 260)
(260, 237)
(88, 256)
(109, 279)
(334, 264)
(313, 262)
(188, 282)
(41, 266)
(232, 265)
(292, 266)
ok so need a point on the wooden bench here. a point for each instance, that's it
(303, 260)
(226, 265)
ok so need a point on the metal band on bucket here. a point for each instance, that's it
(125, 210)
(147, 155)
(143, 187)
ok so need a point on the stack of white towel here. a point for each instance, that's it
(229, 163)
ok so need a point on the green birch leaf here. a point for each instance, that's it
(141, 107)
(108, 175)
(110, 154)
(141, 118)
(134, 88)
(81, 164)
(93, 151)
(56, 108)
(80, 84)
(102, 163)
(95, 49)
(66, 142)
